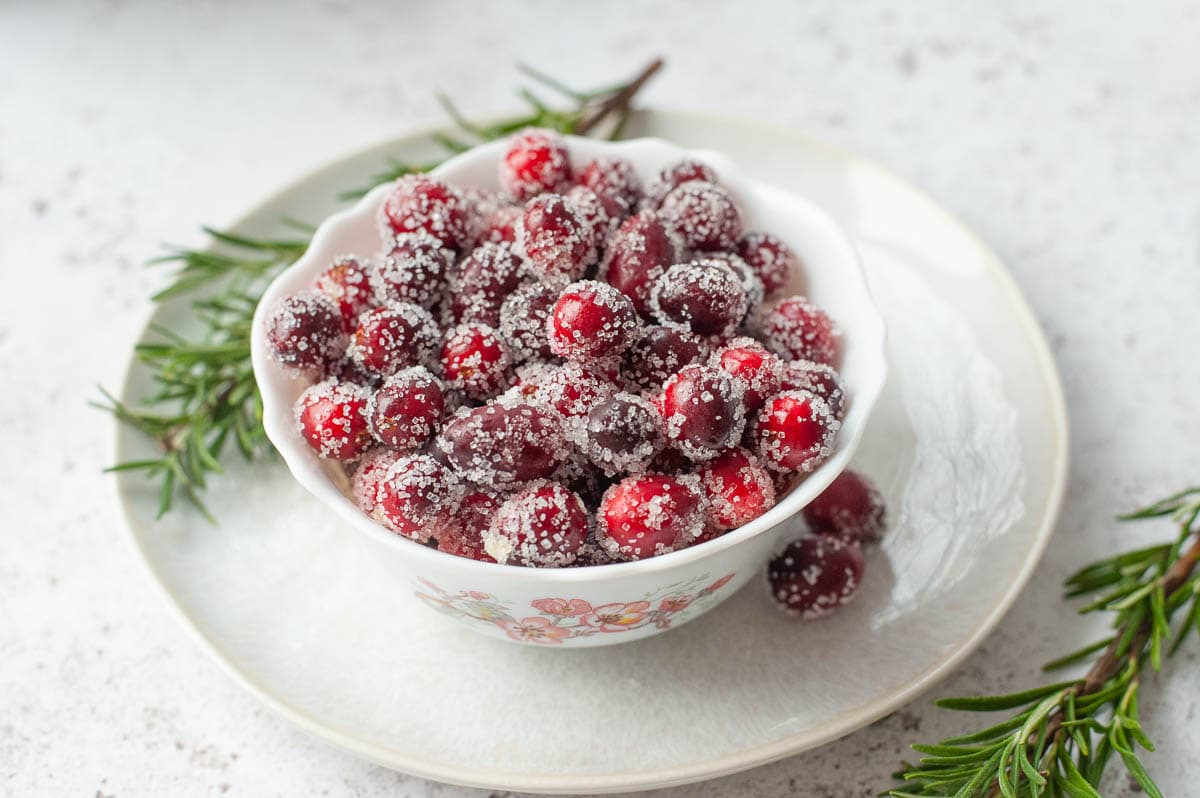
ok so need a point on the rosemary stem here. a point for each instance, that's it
(619, 100)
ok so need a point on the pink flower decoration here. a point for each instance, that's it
(674, 603)
(533, 630)
(561, 607)
(720, 583)
(616, 617)
(475, 594)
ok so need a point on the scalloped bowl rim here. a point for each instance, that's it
(867, 334)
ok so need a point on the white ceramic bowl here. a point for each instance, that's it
(598, 605)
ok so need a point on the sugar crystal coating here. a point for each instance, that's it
(405, 411)
(703, 214)
(759, 371)
(615, 183)
(703, 410)
(347, 282)
(394, 337)
(820, 378)
(476, 360)
(771, 260)
(554, 238)
(417, 497)
(543, 526)
(463, 536)
(622, 434)
(414, 270)
(482, 281)
(813, 576)
(851, 508)
(305, 332)
(535, 162)
(637, 254)
(368, 473)
(648, 515)
(504, 444)
(795, 431)
(796, 329)
(523, 319)
(705, 297)
(420, 203)
(332, 419)
(591, 320)
(738, 489)
(677, 174)
(657, 353)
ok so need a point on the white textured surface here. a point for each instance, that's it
(1068, 141)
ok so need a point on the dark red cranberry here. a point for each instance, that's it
(797, 329)
(640, 251)
(657, 352)
(463, 537)
(677, 174)
(305, 332)
(370, 471)
(555, 240)
(524, 317)
(346, 282)
(820, 378)
(414, 270)
(394, 337)
(703, 215)
(423, 203)
(705, 297)
(405, 411)
(815, 575)
(500, 226)
(504, 445)
(482, 281)
(542, 526)
(751, 285)
(615, 182)
(591, 211)
(760, 371)
(566, 387)
(738, 489)
(795, 431)
(771, 260)
(535, 162)
(851, 508)
(643, 516)
(417, 497)
(703, 411)
(332, 418)
(476, 360)
(623, 433)
(591, 321)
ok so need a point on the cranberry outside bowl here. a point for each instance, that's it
(600, 604)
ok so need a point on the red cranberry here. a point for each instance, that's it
(394, 337)
(332, 419)
(795, 431)
(703, 410)
(463, 537)
(305, 332)
(406, 409)
(591, 320)
(543, 526)
(417, 497)
(759, 371)
(414, 270)
(820, 378)
(771, 260)
(524, 316)
(556, 241)
(536, 162)
(705, 297)
(738, 488)
(567, 387)
(640, 251)
(658, 352)
(622, 433)
(815, 575)
(476, 360)
(851, 508)
(504, 445)
(500, 226)
(595, 217)
(372, 468)
(481, 283)
(643, 516)
(798, 330)
(751, 285)
(423, 203)
(346, 283)
(677, 174)
(615, 183)
(704, 216)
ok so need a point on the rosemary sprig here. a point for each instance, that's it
(1065, 734)
(206, 394)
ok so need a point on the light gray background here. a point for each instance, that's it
(1066, 134)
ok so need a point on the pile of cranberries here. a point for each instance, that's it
(574, 370)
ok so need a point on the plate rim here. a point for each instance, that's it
(729, 763)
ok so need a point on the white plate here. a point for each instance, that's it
(968, 441)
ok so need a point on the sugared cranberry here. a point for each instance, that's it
(738, 488)
(703, 215)
(500, 226)
(623, 433)
(759, 371)
(705, 297)
(642, 516)
(567, 387)
(504, 445)
(751, 285)
(815, 575)
(371, 469)
(423, 203)
(797, 329)
(346, 283)
(795, 431)
(406, 409)
(305, 331)
(482, 281)
(615, 183)
(463, 536)
(555, 240)
(417, 497)
(475, 359)
(524, 316)
(394, 337)
(595, 217)
(703, 411)
(772, 260)
(640, 251)
(332, 419)
(677, 174)
(591, 321)
(542, 526)
(820, 378)
(535, 162)
(851, 508)
(657, 352)
(414, 270)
